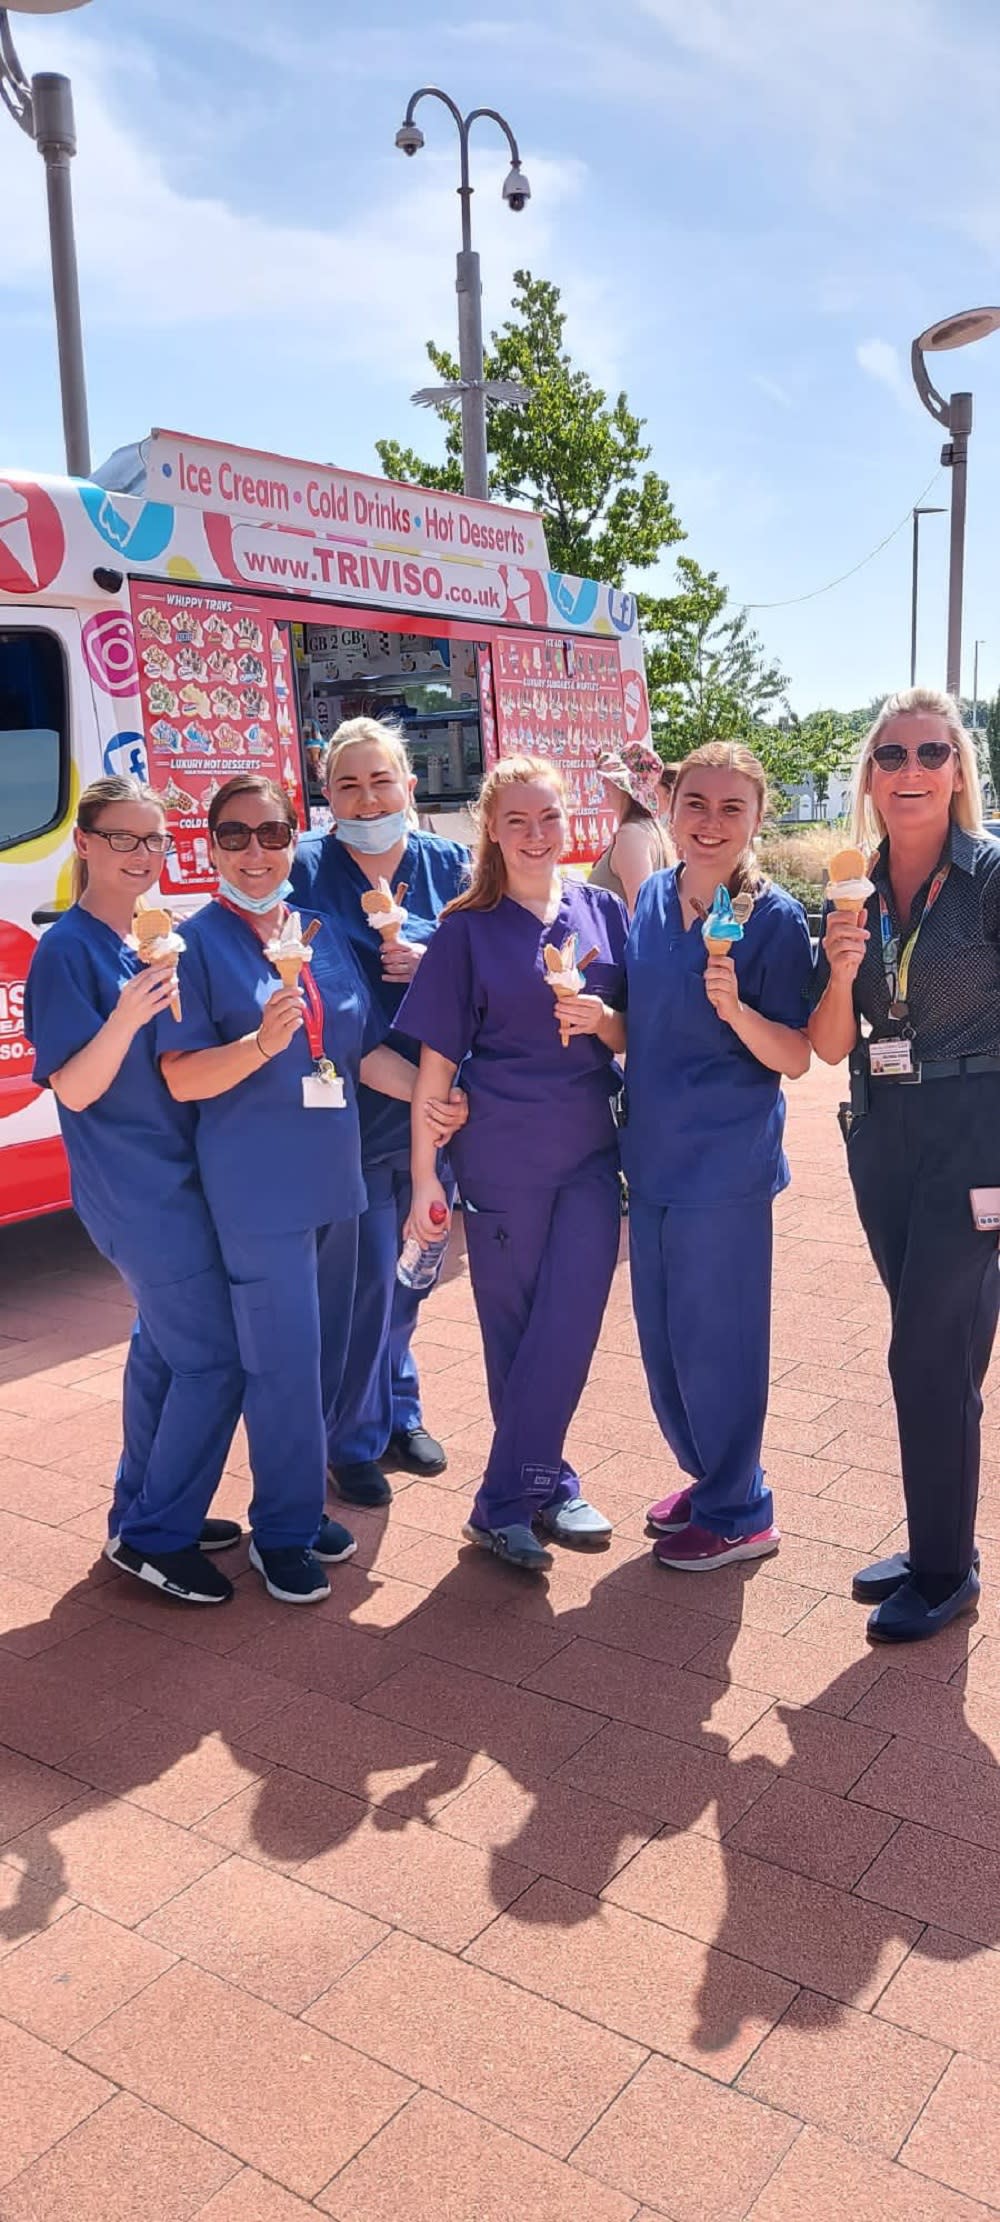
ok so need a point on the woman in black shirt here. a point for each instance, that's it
(920, 964)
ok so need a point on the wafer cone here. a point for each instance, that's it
(288, 969)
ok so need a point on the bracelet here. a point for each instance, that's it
(264, 1052)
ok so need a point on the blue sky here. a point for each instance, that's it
(750, 206)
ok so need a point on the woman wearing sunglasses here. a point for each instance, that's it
(89, 1011)
(275, 1071)
(920, 964)
(370, 788)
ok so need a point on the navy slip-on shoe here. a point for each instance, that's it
(906, 1617)
(886, 1575)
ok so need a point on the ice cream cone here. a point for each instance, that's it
(289, 969)
(849, 885)
(384, 911)
(157, 944)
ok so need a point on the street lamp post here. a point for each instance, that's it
(955, 416)
(920, 511)
(43, 106)
(976, 646)
(471, 390)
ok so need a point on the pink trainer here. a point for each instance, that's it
(671, 1513)
(698, 1551)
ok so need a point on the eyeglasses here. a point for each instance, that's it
(126, 844)
(890, 756)
(231, 833)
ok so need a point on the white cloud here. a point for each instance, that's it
(773, 391)
(879, 360)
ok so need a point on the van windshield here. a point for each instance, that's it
(33, 734)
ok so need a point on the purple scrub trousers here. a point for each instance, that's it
(541, 1265)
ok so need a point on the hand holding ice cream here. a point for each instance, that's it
(564, 973)
(156, 942)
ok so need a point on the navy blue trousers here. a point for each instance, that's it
(701, 1291)
(281, 1287)
(181, 1399)
(541, 1262)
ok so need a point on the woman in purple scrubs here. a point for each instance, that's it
(537, 1163)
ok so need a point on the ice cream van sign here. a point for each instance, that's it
(17, 1088)
(268, 490)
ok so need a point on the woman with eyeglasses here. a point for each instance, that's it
(275, 1072)
(90, 1012)
(919, 965)
(370, 788)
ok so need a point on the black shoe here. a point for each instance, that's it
(220, 1535)
(293, 1577)
(365, 1484)
(185, 1575)
(416, 1451)
(333, 1543)
(885, 1577)
(906, 1616)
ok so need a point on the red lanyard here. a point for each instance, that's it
(313, 1015)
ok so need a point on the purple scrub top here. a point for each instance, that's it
(537, 1112)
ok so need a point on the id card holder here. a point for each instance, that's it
(985, 1204)
(323, 1089)
(892, 1061)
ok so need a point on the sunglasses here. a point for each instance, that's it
(890, 756)
(231, 833)
(126, 844)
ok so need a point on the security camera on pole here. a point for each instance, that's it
(472, 390)
(43, 106)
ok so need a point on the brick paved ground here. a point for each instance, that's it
(621, 1896)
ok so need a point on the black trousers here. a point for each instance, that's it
(913, 1159)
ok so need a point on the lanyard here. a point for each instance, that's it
(896, 961)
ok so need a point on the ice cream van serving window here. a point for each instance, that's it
(34, 735)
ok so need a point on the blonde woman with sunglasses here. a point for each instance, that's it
(918, 963)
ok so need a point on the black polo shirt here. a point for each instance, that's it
(953, 992)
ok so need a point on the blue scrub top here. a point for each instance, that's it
(132, 1153)
(327, 879)
(267, 1163)
(537, 1112)
(705, 1119)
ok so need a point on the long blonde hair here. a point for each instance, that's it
(94, 800)
(966, 809)
(371, 733)
(729, 756)
(488, 884)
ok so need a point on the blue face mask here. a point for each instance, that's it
(373, 836)
(257, 905)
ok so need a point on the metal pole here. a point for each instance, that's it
(55, 138)
(913, 599)
(960, 425)
(975, 687)
(468, 286)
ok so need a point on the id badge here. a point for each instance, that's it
(892, 1060)
(323, 1091)
(985, 1204)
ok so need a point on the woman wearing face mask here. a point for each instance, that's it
(90, 1010)
(919, 962)
(275, 1070)
(710, 1034)
(537, 1164)
(370, 788)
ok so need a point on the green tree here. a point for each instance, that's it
(827, 743)
(708, 672)
(993, 745)
(570, 453)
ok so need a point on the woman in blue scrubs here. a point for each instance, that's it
(370, 788)
(537, 1164)
(90, 1008)
(708, 1041)
(275, 1071)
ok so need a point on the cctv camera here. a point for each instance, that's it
(516, 190)
(409, 138)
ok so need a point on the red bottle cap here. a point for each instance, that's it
(438, 1215)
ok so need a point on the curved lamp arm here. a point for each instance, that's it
(15, 88)
(933, 402)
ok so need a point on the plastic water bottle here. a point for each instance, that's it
(420, 1262)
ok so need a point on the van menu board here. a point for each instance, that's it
(563, 698)
(217, 689)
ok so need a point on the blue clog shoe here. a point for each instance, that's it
(906, 1617)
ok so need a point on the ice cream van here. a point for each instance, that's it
(197, 610)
